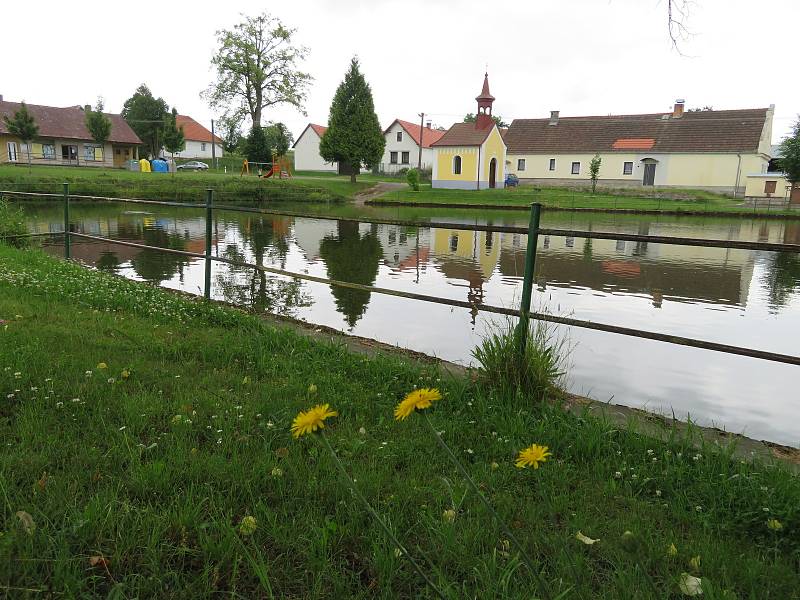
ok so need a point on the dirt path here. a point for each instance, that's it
(376, 190)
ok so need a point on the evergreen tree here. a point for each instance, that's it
(98, 124)
(146, 115)
(354, 136)
(256, 147)
(174, 140)
(23, 125)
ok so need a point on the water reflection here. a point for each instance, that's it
(726, 295)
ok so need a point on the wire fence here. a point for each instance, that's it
(523, 313)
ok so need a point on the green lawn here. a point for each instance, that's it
(663, 200)
(182, 186)
(135, 487)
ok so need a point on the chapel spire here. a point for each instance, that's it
(483, 120)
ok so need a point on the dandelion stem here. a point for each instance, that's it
(375, 516)
(526, 559)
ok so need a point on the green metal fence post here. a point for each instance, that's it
(67, 249)
(527, 283)
(207, 286)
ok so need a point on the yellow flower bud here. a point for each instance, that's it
(248, 525)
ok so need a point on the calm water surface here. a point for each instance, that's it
(737, 297)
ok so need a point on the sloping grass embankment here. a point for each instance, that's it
(139, 428)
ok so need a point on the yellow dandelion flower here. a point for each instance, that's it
(308, 421)
(449, 515)
(672, 550)
(774, 525)
(101, 366)
(694, 562)
(416, 400)
(532, 456)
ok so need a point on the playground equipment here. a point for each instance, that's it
(282, 167)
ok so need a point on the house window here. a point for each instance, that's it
(202, 146)
(12, 151)
(770, 186)
(92, 153)
(627, 168)
(49, 151)
(576, 168)
(405, 157)
(393, 158)
(552, 164)
(399, 136)
(457, 165)
(453, 242)
(520, 164)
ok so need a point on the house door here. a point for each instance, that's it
(12, 151)
(492, 172)
(69, 154)
(649, 173)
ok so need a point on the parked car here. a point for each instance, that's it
(511, 180)
(193, 165)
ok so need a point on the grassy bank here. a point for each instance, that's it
(131, 478)
(658, 200)
(188, 186)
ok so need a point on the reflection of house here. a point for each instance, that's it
(64, 139)
(680, 273)
(711, 149)
(309, 233)
(403, 247)
(470, 256)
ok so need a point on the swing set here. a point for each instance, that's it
(280, 166)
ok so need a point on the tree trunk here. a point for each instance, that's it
(28, 145)
(256, 116)
(352, 176)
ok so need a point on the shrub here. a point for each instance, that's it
(12, 223)
(536, 374)
(413, 179)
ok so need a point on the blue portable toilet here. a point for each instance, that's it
(160, 166)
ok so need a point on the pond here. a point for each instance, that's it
(741, 297)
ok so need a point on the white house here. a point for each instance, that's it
(198, 139)
(306, 151)
(402, 146)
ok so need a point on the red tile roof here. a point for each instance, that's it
(633, 144)
(320, 129)
(429, 136)
(463, 134)
(703, 131)
(194, 131)
(485, 95)
(68, 123)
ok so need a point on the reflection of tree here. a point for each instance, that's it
(267, 237)
(354, 258)
(260, 291)
(782, 278)
(156, 266)
(107, 261)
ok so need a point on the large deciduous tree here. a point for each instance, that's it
(98, 124)
(354, 136)
(147, 116)
(790, 156)
(470, 118)
(22, 125)
(256, 66)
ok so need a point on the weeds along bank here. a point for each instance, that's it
(148, 451)
(185, 187)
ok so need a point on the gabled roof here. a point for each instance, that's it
(464, 134)
(703, 131)
(429, 136)
(194, 131)
(318, 129)
(68, 123)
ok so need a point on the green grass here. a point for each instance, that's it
(188, 186)
(106, 467)
(660, 200)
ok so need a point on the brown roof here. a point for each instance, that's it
(192, 130)
(429, 136)
(485, 95)
(68, 123)
(463, 134)
(320, 129)
(703, 131)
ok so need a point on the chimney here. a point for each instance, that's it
(427, 124)
(677, 112)
(554, 117)
(87, 108)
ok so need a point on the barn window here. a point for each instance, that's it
(552, 164)
(520, 164)
(770, 186)
(627, 168)
(457, 165)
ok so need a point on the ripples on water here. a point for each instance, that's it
(739, 297)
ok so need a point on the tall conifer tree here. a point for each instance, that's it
(354, 136)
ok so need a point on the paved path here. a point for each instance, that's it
(376, 190)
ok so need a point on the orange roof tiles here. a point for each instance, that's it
(633, 144)
(192, 130)
(429, 136)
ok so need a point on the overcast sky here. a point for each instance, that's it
(582, 57)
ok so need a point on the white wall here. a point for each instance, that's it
(406, 145)
(306, 154)
(194, 149)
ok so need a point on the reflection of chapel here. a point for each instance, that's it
(471, 156)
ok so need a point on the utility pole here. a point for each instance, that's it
(421, 133)
(213, 146)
